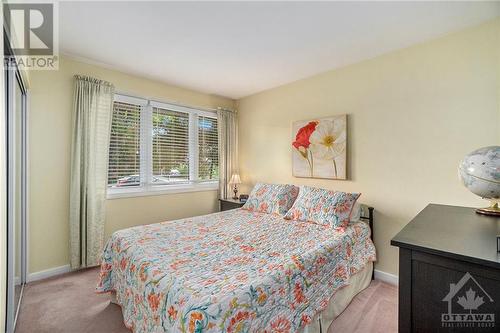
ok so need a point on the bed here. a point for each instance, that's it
(236, 271)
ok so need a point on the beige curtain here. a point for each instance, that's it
(228, 149)
(93, 107)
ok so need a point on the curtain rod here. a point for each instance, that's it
(177, 103)
(91, 79)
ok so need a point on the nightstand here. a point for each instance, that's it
(227, 204)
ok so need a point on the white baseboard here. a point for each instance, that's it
(386, 277)
(48, 273)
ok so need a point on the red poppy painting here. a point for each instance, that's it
(319, 148)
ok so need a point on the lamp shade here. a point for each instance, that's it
(235, 179)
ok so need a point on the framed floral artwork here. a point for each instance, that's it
(320, 148)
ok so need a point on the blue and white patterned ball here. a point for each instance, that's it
(480, 172)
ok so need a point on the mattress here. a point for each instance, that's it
(230, 271)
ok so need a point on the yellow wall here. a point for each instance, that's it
(412, 114)
(51, 97)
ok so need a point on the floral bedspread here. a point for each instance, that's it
(234, 271)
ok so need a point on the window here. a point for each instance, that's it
(158, 147)
(124, 145)
(208, 148)
(170, 146)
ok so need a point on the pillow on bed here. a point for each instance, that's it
(271, 198)
(356, 213)
(323, 206)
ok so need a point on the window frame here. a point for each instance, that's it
(146, 187)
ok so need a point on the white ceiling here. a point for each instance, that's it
(235, 49)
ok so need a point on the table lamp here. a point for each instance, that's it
(235, 180)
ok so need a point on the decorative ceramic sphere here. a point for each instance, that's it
(480, 173)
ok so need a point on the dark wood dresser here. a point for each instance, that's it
(449, 271)
(227, 204)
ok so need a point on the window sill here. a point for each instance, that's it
(115, 193)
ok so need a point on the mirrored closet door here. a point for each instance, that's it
(16, 191)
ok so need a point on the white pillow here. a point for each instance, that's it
(356, 213)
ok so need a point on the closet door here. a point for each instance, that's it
(16, 190)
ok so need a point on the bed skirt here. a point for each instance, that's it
(340, 300)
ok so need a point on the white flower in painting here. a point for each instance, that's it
(328, 140)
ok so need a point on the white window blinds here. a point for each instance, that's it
(124, 148)
(208, 148)
(156, 146)
(170, 140)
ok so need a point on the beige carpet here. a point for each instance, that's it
(68, 304)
